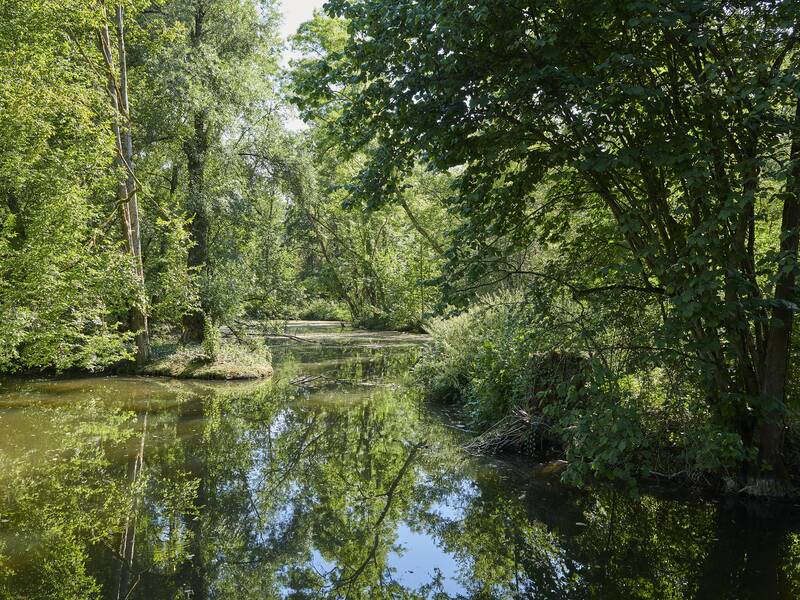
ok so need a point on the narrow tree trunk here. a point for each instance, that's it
(138, 315)
(196, 149)
(127, 205)
(769, 431)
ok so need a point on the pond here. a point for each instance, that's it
(335, 481)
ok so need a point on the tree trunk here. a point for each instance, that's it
(196, 150)
(138, 313)
(127, 204)
(769, 431)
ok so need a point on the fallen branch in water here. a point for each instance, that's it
(306, 379)
(293, 337)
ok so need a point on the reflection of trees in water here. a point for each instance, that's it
(355, 364)
(127, 542)
(314, 499)
(555, 543)
(266, 493)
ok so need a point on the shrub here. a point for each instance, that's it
(603, 425)
(522, 388)
(502, 372)
(212, 342)
(321, 309)
(445, 370)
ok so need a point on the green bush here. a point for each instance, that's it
(445, 370)
(212, 342)
(603, 425)
(519, 387)
(495, 365)
(321, 309)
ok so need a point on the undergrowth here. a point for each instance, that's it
(533, 388)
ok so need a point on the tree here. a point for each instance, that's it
(127, 202)
(64, 285)
(211, 83)
(681, 124)
(381, 262)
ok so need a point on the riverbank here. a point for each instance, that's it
(522, 392)
(228, 362)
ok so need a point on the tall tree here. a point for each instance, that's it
(127, 201)
(63, 282)
(214, 82)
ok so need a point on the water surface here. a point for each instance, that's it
(334, 481)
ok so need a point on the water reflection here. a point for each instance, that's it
(123, 488)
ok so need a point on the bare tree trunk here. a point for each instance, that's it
(127, 204)
(138, 313)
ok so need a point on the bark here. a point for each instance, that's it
(769, 431)
(196, 150)
(127, 203)
(138, 315)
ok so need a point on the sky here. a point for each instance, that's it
(295, 12)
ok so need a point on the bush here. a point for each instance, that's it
(212, 342)
(492, 362)
(321, 309)
(603, 425)
(538, 393)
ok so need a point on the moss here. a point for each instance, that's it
(192, 362)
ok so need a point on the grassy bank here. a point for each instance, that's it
(170, 359)
(192, 362)
(215, 358)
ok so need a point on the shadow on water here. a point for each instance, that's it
(334, 481)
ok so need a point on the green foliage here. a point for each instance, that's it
(604, 425)
(213, 143)
(321, 309)
(668, 134)
(235, 210)
(64, 285)
(379, 264)
(467, 357)
(171, 286)
(212, 340)
(523, 388)
(380, 261)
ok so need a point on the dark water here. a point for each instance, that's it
(333, 481)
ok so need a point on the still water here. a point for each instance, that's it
(334, 481)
